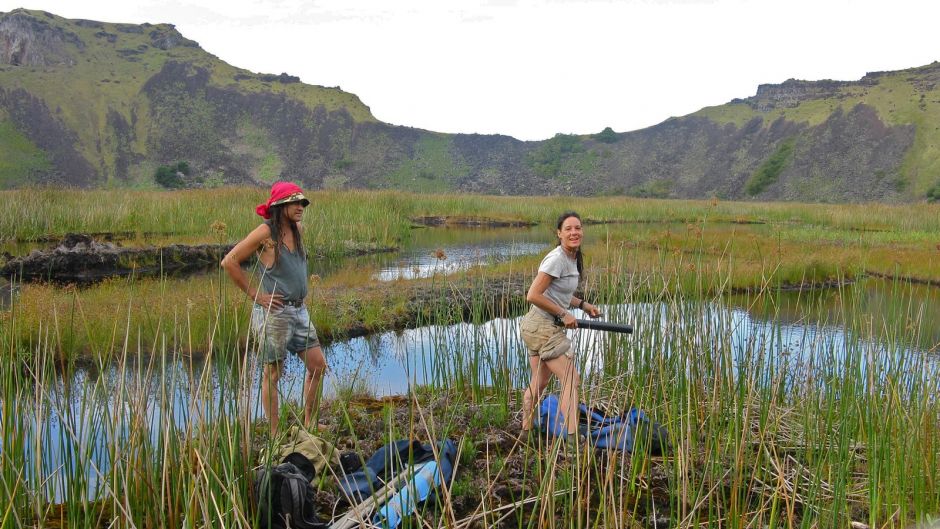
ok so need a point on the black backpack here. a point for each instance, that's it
(286, 498)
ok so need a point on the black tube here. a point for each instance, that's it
(600, 326)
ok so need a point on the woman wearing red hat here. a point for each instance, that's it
(279, 318)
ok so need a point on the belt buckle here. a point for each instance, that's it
(294, 302)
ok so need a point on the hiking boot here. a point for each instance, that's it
(531, 439)
(573, 438)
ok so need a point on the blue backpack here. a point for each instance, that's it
(627, 431)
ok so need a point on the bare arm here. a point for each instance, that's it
(536, 296)
(589, 308)
(232, 264)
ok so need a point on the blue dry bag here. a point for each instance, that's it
(625, 431)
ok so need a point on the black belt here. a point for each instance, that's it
(293, 302)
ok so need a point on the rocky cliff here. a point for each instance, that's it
(85, 103)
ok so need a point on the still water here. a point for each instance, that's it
(433, 251)
(192, 393)
(894, 321)
(429, 251)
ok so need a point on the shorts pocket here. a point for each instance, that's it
(533, 333)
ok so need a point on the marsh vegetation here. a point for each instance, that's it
(790, 350)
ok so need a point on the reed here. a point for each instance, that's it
(769, 427)
(385, 216)
(133, 403)
(672, 242)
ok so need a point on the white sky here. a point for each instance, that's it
(530, 69)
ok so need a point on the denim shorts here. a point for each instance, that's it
(283, 330)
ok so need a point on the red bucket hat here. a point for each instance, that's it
(281, 193)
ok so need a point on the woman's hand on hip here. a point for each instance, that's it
(274, 301)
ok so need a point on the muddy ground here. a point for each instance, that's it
(83, 259)
(469, 222)
(495, 467)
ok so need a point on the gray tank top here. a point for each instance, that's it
(288, 277)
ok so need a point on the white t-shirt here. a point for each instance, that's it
(564, 270)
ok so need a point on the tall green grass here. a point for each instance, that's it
(814, 430)
(769, 430)
(384, 215)
(334, 222)
(112, 448)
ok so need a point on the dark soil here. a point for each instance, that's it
(906, 279)
(84, 259)
(107, 236)
(81, 259)
(469, 222)
(463, 299)
(495, 467)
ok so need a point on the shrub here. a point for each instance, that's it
(606, 136)
(546, 160)
(770, 170)
(656, 188)
(171, 176)
(933, 194)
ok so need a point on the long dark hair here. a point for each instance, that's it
(275, 224)
(579, 257)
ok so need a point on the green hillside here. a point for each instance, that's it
(20, 156)
(902, 98)
(93, 81)
(93, 104)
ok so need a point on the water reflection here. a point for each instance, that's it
(72, 425)
(7, 290)
(429, 251)
(412, 265)
(442, 251)
(873, 309)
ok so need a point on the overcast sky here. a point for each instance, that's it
(530, 69)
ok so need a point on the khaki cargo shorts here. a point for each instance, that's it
(543, 338)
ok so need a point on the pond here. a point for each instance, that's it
(427, 252)
(752, 336)
(441, 250)
(71, 424)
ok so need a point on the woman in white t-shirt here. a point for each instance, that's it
(551, 295)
